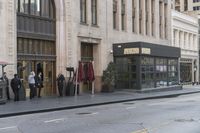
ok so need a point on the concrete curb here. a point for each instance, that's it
(93, 104)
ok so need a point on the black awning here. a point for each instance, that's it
(144, 48)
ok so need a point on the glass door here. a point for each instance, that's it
(132, 70)
(49, 80)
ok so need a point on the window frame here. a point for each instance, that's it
(94, 10)
(83, 11)
(28, 11)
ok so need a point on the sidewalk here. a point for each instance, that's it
(46, 104)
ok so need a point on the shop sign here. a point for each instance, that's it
(146, 51)
(128, 51)
(131, 51)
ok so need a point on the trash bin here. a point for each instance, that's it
(70, 89)
(2, 92)
(22, 92)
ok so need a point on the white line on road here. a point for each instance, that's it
(95, 113)
(6, 128)
(130, 107)
(54, 120)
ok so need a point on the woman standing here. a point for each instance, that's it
(39, 84)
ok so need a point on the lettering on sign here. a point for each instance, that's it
(131, 51)
(146, 51)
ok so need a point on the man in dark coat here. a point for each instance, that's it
(60, 83)
(5, 78)
(16, 85)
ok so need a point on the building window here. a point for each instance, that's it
(23, 6)
(133, 15)
(35, 7)
(114, 14)
(83, 11)
(94, 12)
(43, 8)
(174, 37)
(160, 19)
(165, 21)
(123, 12)
(140, 17)
(86, 52)
(152, 21)
(185, 5)
(147, 13)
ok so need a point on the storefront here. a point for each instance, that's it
(186, 71)
(142, 65)
(36, 42)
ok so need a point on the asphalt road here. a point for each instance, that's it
(169, 115)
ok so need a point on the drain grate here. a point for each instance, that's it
(184, 120)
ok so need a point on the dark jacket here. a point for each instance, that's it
(38, 81)
(60, 80)
(15, 83)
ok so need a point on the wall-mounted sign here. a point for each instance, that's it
(131, 51)
(146, 51)
(128, 51)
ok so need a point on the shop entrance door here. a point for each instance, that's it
(47, 68)
(132, 73)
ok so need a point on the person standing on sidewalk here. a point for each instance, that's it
(60, 83)
(16, 85)
(31, 81)
(39, 83)
(5, 78)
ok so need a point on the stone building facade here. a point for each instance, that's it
(185, 36)
(85, 30)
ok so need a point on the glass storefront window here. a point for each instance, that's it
(42, 8)
(173, 71)
(126, 72)
(147, 72)
(155, 72)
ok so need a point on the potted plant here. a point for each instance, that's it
(108, 78)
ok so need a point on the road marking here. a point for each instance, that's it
(6, 128)
(54, 120)
(130, 108)
(153, 129)
(95, 113)
(160, 126)
(141, 131)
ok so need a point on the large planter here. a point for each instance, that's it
(107, 88)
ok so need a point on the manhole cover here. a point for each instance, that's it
(128, 103)
(184, 120)
(84, 113)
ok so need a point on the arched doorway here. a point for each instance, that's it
(36, 42)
